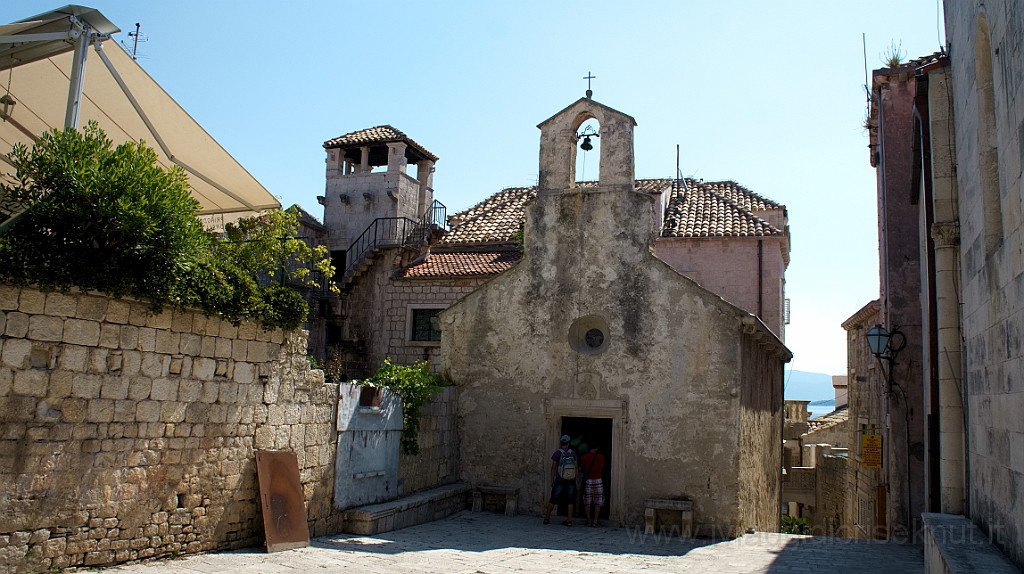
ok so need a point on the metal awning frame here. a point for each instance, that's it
(81, 34)
(66, 34)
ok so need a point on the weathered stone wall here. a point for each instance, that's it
(728, 267)
(384, 303)
(866, 407)
(368, 197)
(900, 275)
(667, 368)
(761, 423)
(988, 97)
(830, 495)
(438, 460)
(125, 435)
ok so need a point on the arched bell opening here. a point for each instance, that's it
(588, 151)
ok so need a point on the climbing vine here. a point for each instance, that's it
(416, 386)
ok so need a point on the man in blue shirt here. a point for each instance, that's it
(564, 465)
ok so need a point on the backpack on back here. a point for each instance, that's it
(567, 465)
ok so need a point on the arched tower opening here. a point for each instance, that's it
(610, 141)
(588, 161)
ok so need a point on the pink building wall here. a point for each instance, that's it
(729, 268)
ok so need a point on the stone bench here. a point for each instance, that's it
(683, 509)
(954, 545)
(424, 506)
(511, 496)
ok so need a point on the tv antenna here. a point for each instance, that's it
(136, 37)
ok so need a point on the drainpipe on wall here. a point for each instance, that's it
(760, 279)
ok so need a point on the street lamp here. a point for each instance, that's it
(885, 346)
(6, 106)
(878, 340)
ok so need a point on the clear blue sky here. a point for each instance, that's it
(769, 94)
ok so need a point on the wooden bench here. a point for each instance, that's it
(510, 494)
(681, 508)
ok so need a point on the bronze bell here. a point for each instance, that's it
(586, 145)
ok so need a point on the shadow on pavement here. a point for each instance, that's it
(846, 555)
(481, 532)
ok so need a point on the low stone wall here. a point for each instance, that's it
(437, 462)
(832, 485)
(954, 545)
(125, 435)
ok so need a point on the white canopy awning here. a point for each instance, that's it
(119, 95)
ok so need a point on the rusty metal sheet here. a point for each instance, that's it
(284, 512)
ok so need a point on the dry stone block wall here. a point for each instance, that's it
(382, 326)
(438, 459)
(126, 435)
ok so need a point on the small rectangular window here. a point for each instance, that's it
(425, 325)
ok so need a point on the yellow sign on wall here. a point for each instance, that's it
(871, 451)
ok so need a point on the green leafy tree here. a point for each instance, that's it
(111, 219)
(416, 386)
(100, 217)
(268, 243)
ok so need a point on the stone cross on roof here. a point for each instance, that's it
(589, 77)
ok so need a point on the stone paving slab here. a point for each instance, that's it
(490, 543)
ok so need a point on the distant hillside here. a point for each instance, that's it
(804, 386)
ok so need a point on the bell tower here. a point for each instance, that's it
(596, 222)
(558, 147)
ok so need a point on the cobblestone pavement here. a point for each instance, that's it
(476, 542)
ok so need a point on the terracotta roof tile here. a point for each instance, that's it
(375, 135)
(716, 210)
(498, 218)
(495, 219)
(739, 195)
(707, 209)
(462, 264)
(840, 415)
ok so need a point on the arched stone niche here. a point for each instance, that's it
(558, 146)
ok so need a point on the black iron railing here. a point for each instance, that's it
(384, 232)
(437, 214)
(393, 232)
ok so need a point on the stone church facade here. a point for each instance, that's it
(591, 328)
(402, 259)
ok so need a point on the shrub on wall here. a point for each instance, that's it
(99, 218)
(111, 219)
(416, 386)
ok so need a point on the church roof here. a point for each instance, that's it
(738, 194)
(498, 218)
(462, 264)
(705, 209)
(717, 209)
(379, 135)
